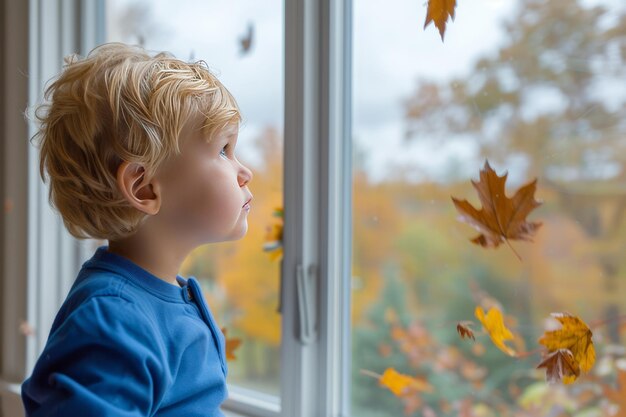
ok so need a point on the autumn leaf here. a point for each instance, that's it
(573, 335)
(618, 396)
(274, 237)
(463, 328)
(401, 384)
(231, 346)
(500, 218)
(560, 366)
(438, 12)
(493, 323)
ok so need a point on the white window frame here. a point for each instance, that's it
(315, 292)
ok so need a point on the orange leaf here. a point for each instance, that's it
(463, 328)
(573, 335)
(401, 384)
(500, 218)
(231, 346)
(560, 366)
(493, 323)
(438, 12)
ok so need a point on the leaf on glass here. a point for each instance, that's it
(501, 218)
(573, 335)
(493, 323)
(438, 12)
(231, 346)
(464, 330)
(560, 367)
(401, 384)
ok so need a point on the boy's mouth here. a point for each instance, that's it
(247, 203)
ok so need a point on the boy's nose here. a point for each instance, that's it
(245, 175)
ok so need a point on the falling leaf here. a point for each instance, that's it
(560, 366)
(274, 237)
(573, 335)
(401, 384)
(438, 12)
(618, 396)
(500, 218)
(231, 346)
(493, 323)
(463, 328)
(246, 41)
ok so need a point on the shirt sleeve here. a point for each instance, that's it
(105, 359)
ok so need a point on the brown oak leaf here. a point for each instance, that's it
(438, 12)
(560, 366)
(500, 218)
(464, 330)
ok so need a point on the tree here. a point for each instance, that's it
(550, 96)
(555, 51)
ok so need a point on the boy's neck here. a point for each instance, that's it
(158, 257)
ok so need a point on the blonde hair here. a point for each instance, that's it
(119, 104)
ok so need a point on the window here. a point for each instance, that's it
(537, 88)
(376, 270)
(312, 342)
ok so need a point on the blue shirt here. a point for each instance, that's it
(128, 344)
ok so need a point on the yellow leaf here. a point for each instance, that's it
(573, 335)
(493, 324)
(401, 384)
(438, 11)
(231, 346)
(274, 238)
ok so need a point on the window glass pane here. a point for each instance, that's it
(241, 41)
(537, 88)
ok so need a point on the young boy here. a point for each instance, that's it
(138, 150)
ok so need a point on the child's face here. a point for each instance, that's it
(204, 190)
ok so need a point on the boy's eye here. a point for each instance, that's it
(223, 151)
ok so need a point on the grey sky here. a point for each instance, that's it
(391, 50)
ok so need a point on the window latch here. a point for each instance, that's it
(306, 283)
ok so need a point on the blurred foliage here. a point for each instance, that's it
(543, 105)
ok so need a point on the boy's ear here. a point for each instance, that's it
(137, 188)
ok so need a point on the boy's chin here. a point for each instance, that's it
(236, 234)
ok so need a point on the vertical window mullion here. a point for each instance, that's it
(299, 383)
(335, 200)
(317, 207)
